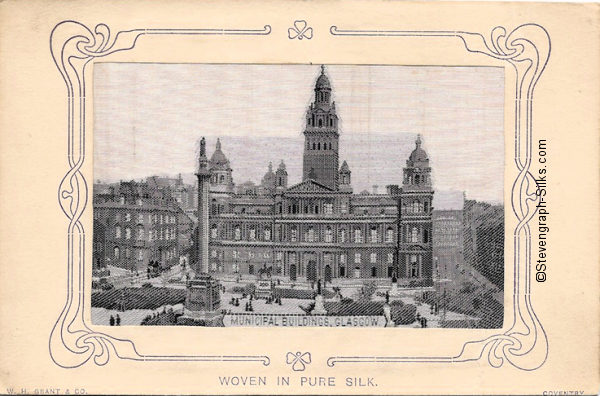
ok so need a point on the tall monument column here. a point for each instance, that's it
(203, 174)
(203, 296)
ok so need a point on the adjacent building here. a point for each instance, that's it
(483, 238)
(135, 225)
(447, 242)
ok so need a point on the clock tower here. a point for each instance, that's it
(321, 137)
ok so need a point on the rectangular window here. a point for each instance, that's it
(390, 258)
(357, 258)
(373, 258)
(140, 218)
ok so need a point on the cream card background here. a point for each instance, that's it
(33, 229)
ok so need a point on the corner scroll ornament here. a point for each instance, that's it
(524, 344)
(72, 343)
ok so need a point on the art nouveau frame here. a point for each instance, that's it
(72, 342)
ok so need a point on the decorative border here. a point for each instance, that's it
(72, 343)
(525, 344)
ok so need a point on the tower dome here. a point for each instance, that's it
(323, 80)
(218, 159)
(418, 154)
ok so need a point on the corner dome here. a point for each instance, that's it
(418, 154)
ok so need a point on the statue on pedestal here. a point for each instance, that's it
(319, 306)
(394, 289)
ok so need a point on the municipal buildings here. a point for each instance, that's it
(318, 228)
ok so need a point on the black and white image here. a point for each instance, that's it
(298, 195)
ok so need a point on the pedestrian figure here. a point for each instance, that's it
(118, 320)
(112, 320)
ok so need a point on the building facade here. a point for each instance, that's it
(483, 233)
(447, 242)
(135, 225)
(318, 228)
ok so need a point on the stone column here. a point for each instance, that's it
(203, 174)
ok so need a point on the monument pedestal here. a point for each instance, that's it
(394, 292)
(202, 301)
(319, 307)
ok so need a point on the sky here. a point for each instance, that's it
(149, 117)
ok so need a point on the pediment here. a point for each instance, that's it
(309, 186)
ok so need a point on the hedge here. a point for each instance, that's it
(138, 298)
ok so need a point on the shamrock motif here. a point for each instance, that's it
(300, 30)
(298, 360)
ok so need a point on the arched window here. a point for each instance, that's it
(416, 179)
(426, 206)
(343, 235)
(117, 232)
(374, 272)
(319, 144)
(117, 252)
(213, 231)
(140, 234)
(237, 233)
(314, 146)
(320, 123)
(373, 258)
(415, 208)
(389, 235)
(426, 236)
(414, 266)
(316, 209)
(328, 235)
(122, 199)
(222, 179)
(357, 235)
(127, 233)
(310, 235)
(252, 233)
(414, 235)
(294, 234)
(329, 145)
(373, 235)
(267, 234)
